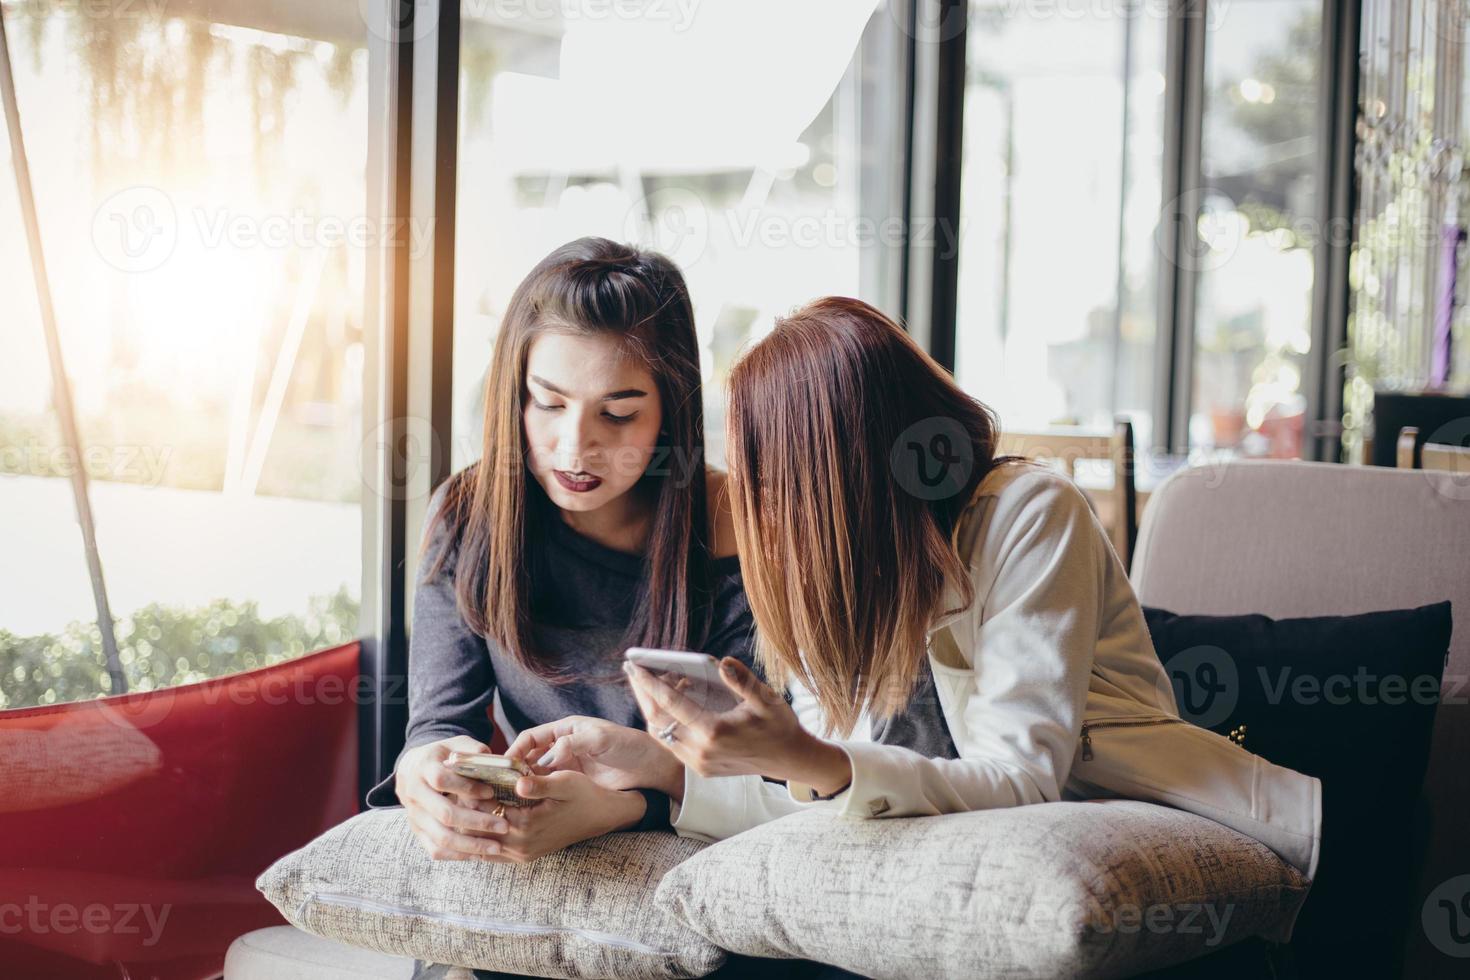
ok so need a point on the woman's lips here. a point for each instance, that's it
(577, 484)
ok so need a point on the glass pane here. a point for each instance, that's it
(1060, 198)
(201, 190)
(44, 562)
(1409, 330)
(1257, 226)
(755, 175)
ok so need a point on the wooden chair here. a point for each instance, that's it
(1430, 456)
(1116, 506)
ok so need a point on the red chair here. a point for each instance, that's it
(132, 828)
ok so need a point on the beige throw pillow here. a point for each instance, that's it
(1074, 889)
(586, 911)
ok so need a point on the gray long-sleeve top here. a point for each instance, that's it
(584, 597)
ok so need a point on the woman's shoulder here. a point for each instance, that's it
(445, 516)
(1022, 505)
(1023, 487)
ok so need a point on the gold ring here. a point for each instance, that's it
(499, 811)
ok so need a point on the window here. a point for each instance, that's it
(1257, 227)
(755, 156)
(1410, 326)
(201, 192)
(1060, 194)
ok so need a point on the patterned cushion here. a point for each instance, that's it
(1085, 889)
(582, 912)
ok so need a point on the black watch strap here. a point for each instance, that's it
(655, 811)
(834, 794)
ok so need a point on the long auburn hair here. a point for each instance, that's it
(494, 514)
(845, 567)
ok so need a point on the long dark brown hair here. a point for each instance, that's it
(494, 514)
(845, 556)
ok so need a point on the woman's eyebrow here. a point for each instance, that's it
(611, 396)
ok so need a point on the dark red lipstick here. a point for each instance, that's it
(578, 483)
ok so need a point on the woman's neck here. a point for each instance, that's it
(622, 524)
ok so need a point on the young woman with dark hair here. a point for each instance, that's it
(588, 525)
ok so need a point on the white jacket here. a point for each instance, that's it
(1051, 690)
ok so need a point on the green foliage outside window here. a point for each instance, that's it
(161, 646)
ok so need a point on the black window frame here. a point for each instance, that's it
(1323, 378)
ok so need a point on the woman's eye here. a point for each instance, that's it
(544, 408)
(619, 419)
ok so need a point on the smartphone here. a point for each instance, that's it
(701, 671)
(500, 771)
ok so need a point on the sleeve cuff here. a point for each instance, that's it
(385, 793)
(806, 795)
(874, 767)
(656, 810)
(713, 807)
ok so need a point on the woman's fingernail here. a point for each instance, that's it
(546, 759)
(492, 848)
(501, 827)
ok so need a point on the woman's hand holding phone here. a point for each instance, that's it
(569, 808)
(760, 735)
(613, 756)
(453, 817)
(443, 807)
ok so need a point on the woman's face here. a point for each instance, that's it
(592, 415)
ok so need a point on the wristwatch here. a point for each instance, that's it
(833, 795)
(655, 812)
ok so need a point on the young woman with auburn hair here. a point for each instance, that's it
(956, 630)
(589, 524)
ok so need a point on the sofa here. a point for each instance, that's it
(1280, 538)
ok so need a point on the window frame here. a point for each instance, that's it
(413, 142)
(1185, 52)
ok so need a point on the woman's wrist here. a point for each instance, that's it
(671, 779)
(820, 764)
(628, 808)
(668, 774)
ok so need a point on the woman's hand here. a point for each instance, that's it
(613, 756)
(761, 735)
(570, 808)
(445, 810)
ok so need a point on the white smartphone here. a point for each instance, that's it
(704, 687)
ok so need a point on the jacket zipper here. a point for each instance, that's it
(473, 922)
(1121, 722)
